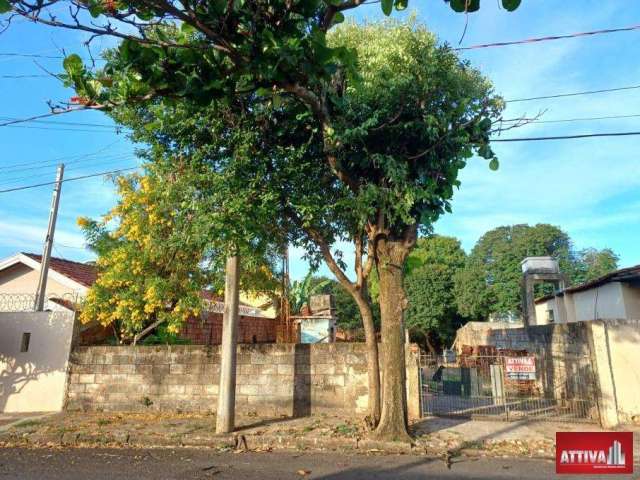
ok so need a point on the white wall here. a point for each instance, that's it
(34, 381)
(541, 311)
(602, 303)
(623, 351)
(631, 295)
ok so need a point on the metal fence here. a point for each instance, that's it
(509, 387)
(25, 302)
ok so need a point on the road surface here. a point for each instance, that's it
(187, 464)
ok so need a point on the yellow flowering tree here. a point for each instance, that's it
(149, 263)
(166, 240)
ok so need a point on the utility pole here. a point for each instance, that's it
(48, 244)
(225, 420)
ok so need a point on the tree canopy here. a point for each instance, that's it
(431, 270)
(490, 280)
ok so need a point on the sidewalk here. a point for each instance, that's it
(9, 420)
(433, 436)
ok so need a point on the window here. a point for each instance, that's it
(26, 339)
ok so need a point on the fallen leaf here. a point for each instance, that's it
(304, 473)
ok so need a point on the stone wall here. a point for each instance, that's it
(290, 379)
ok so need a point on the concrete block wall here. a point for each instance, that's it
(289, 379)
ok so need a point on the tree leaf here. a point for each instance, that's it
(473, 6)
(5, 6)
(387, 6)
(402, 4)
(494, 164)
(458, 5)
(338, 17)
(72, 63)
(511, 5)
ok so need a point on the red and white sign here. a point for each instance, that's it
(594, 452)
(520, 368)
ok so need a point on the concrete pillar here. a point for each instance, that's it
(605, 385)
(528, 301)
(413, 382)
(227, 393)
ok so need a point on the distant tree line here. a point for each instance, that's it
(446, 287)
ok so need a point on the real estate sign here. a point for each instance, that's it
(520, 368)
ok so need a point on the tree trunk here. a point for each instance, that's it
(430, 346)
(373, 365)
(390, 260)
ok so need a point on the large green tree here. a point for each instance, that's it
(490, 281)
(270, 49)
(431, 269)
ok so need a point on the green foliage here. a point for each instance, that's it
(430, 287)
(511, 5)
(347, 311)
(490, 280)
(591, 263)
(301, 290)
(5, 6)
(430, 271)
(397, 142)
(162, 336)
(474, 5)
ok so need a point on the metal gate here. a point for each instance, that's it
(509, 386)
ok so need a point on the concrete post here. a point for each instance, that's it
(41, 292)
(601, 360)
(413, 382)
(227, 393)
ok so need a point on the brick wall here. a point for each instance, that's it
(207, 330)
(272, 378)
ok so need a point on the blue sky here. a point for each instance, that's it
(590, 188)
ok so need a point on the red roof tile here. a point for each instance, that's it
(82, 273)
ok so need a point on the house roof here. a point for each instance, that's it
(622, 275)
(82, 273)
(63, 302)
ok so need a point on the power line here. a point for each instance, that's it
(565, 137)
(67, 180)
(573, 94)
(79, 124)
(35, 117)
(548, 38)
(58, 159)
(111, 162)
(63, 129)
(566, 120)
(25, 76)
(28, 55)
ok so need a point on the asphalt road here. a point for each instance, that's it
(187, 464)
